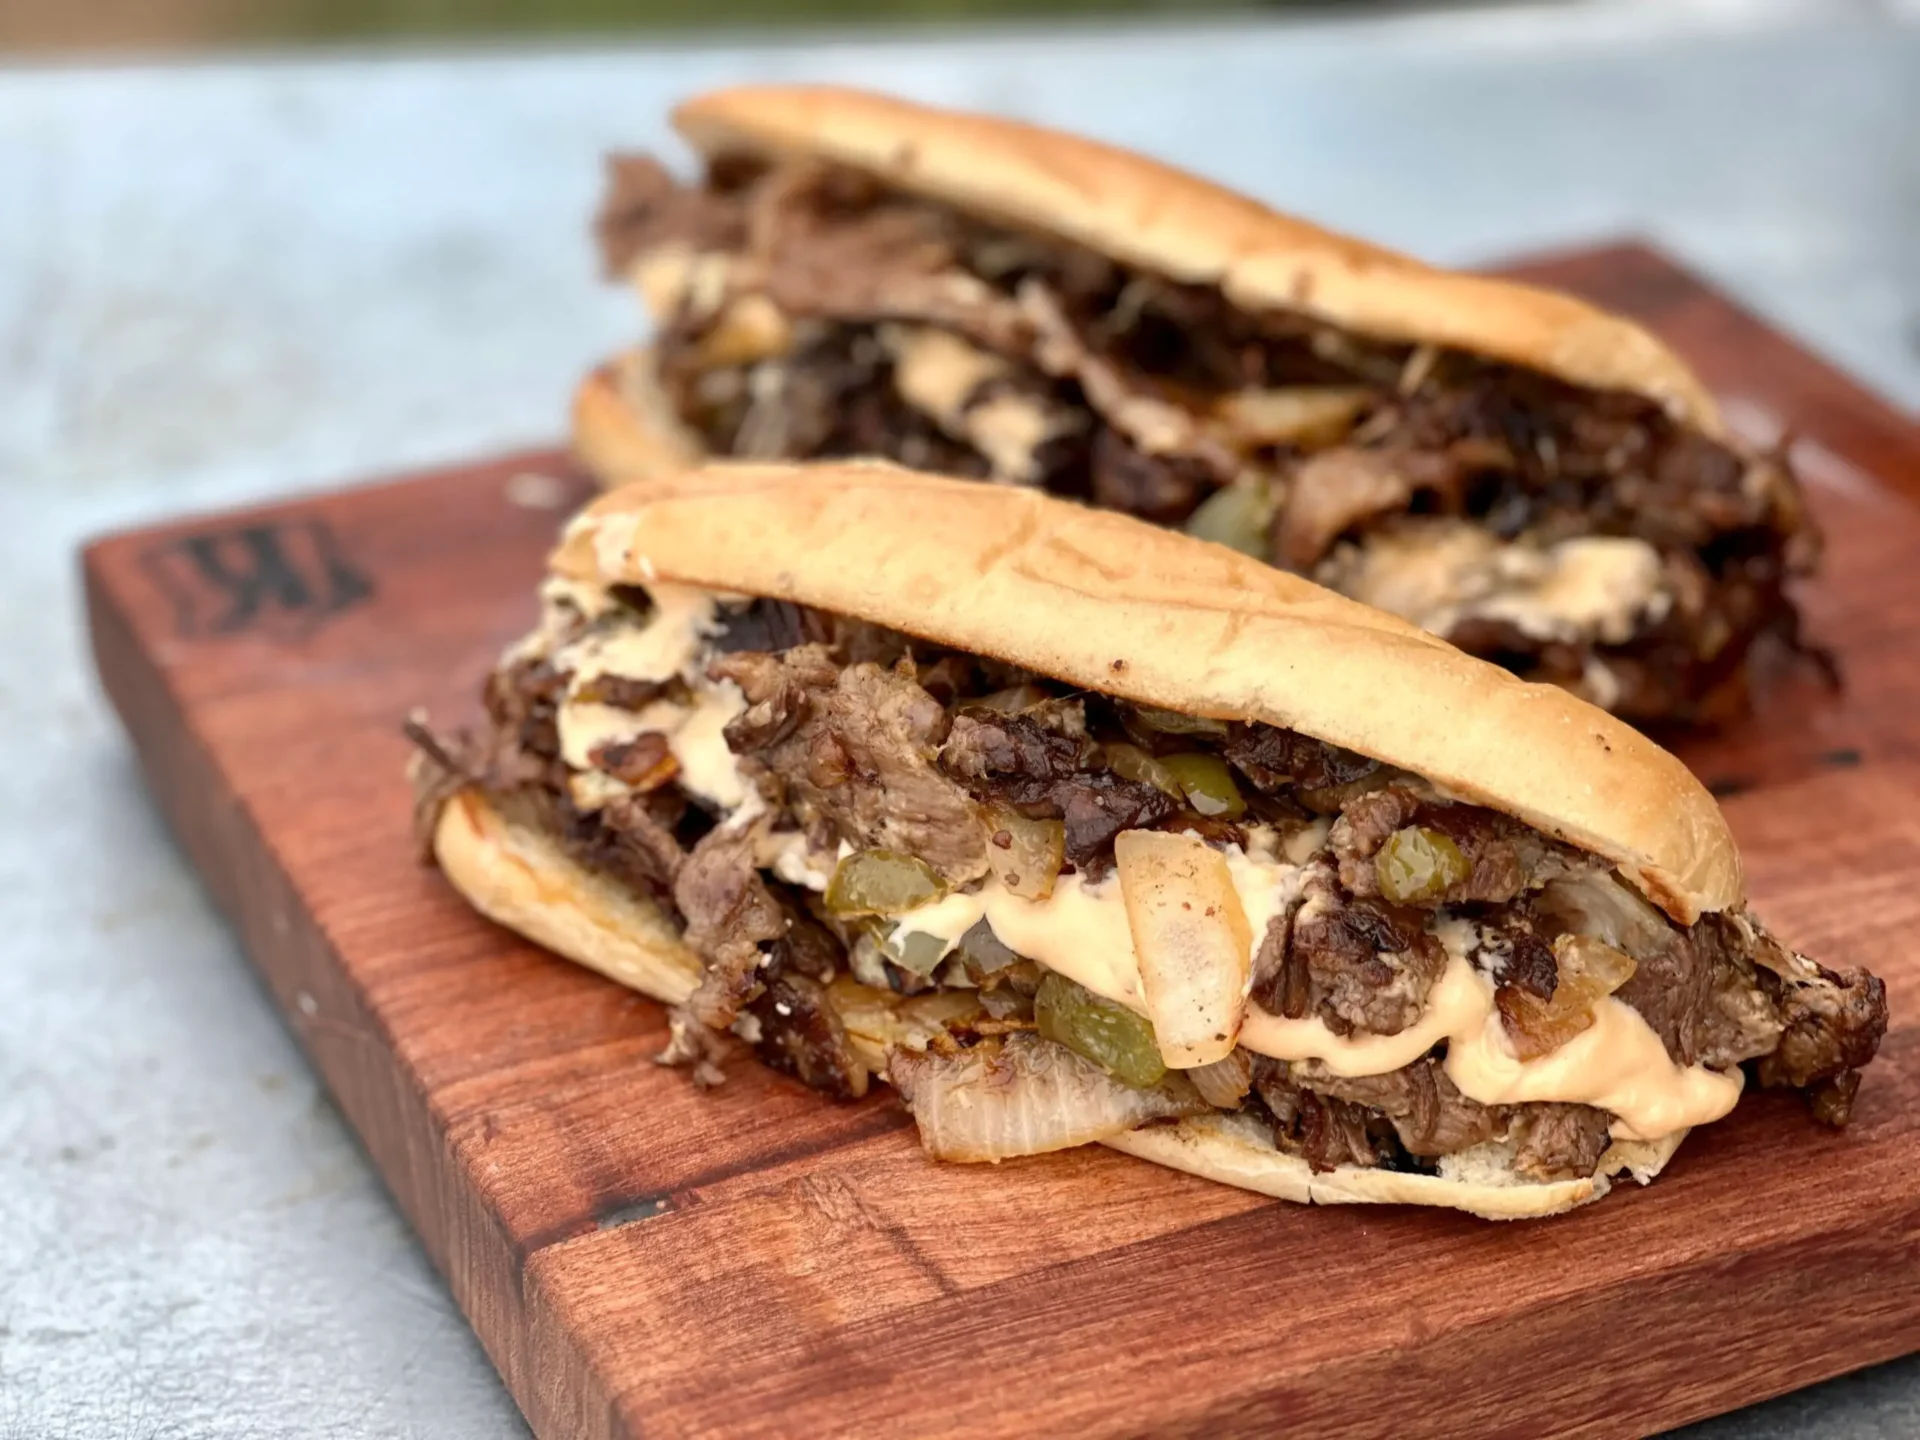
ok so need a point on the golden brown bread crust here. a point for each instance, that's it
(1114, 604)
(519, 878)
(1156, 217)
(522, 880)
(624, 430)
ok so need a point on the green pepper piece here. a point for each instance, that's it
(1418, 865)
(1112, 1036)
(881, 882)
(1130, 762)
(1235, 516)
(1207, 783)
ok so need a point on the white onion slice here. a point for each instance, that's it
(1024, 1096)
(1191, 939)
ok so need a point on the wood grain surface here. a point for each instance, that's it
(639, 1258)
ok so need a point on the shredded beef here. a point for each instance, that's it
(1428, 1112)
(522, 700)
(1339, 490)
(1321, 776)
(1560, 1142)
(1144, 358)
(1696, 988)
(1164, 489)
(1325, 1132)
(1506, 858)
(730, 914)
(1833, 1022)
(630, 839)
(646, 208)
(854, 747)
(772, 626)
(1360, 964)
(1026, 761)
(1417, 1112)
(1015, 759)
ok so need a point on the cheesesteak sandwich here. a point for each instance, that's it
(1077, 829)
(1544, 484)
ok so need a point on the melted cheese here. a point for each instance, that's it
(937, 372)
(940, 375)
(673, 275)
(1618, 1064)
(1439, 573)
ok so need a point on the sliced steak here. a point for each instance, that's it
(1325, 1132)
(1320, 776)
(1043, 764)
(1428, 1112)
(1360, 965)
(801, 1033)
(1164, 489)
(854, 747)
(1560, 1142)
(1014, 759)
(730, 914)
(645, 208)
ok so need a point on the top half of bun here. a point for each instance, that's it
(1110, 603)
(1165, 220)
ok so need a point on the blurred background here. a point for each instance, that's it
(66, 25)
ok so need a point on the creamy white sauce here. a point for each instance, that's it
(1437, 573)
(669, 645)
(940, 374)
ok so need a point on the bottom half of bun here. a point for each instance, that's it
(520, 878)
(624, 428)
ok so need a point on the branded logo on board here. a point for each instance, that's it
(280, 577)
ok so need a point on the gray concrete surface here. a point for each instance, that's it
(236, 279)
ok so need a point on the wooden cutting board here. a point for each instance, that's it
(642, 1259)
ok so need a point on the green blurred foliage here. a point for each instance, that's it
(347, 19)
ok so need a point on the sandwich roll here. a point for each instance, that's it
(1075, 829)
(1541, 482)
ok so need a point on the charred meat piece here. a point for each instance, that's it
(800, 1032)
(1044, 765)
(1014, 759)
(1320, 776)
(1361, 965)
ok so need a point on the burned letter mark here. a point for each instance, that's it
(281, 577)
